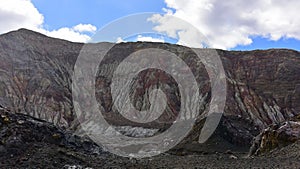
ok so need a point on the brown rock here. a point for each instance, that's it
(276, 136)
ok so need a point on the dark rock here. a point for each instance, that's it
(229, 152)
(233, 157)
(39, 152)
(17, 138)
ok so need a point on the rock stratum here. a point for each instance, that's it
(263, 88)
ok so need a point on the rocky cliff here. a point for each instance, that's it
(263, 86)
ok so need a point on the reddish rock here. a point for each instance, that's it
(35, 79)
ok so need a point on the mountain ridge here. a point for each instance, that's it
(36, 73)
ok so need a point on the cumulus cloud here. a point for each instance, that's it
(142, 38)
(85, 28)
(70, 34)
(227, 24)
(176, 28)
(149, 39)
(16, 14)
(120, 40)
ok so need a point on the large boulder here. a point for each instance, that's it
(276, 136)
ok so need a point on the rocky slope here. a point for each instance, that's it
(27, 142)
(35, 79)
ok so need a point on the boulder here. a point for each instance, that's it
(275, 137)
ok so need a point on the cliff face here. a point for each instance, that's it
(263, 86)
(35, 75)
(35, 79)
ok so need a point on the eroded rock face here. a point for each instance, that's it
(276, 136)
(35, 76)
(36, 71)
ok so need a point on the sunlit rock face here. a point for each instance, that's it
(263, 87)
(275, 137)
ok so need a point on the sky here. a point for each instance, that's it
(231, 25)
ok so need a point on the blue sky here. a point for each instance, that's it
(263, 43)
(232, 25)
(96, 12)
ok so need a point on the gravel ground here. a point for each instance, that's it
(52, 156)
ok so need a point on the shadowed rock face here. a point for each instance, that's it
(36, 71)
(19, 133)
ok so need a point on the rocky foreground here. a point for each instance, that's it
(39, 128)
(27, 142)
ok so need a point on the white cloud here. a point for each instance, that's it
(85, 28)
(186, 34)
(69, 34)
(227, 24)
(142, 38)
(149, 39)
(16, 14)
(120, 40)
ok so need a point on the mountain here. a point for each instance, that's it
(36, 72)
